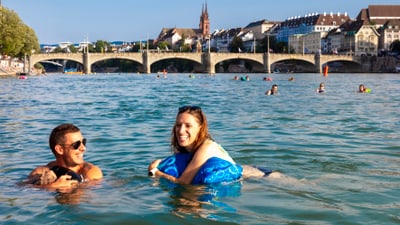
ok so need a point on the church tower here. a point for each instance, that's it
(204, 22)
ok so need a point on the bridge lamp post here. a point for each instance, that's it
(268, 42)
(209, 44)
(254, 45)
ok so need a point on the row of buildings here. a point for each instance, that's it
(371, 32)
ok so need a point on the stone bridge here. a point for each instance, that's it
(207, 61)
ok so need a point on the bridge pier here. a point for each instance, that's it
(86, 63)
(208, 65)
(30, 65)
(146, 64)
(267, 65)
(318, 65)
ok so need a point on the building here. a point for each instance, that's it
(191, 36)
(378, 15)
(355, 37)
(306, 43)
(260, 28)
(309, 23)
(385, 18)
(389, 33)
(220, 39)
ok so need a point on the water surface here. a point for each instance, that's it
(340, 148)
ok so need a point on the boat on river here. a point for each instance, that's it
(72, 71)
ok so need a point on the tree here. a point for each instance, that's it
(236, 45)
(16, 38)
(264, 44)
(30, 42)
(395, 46)
(102, 46)
(164, 45)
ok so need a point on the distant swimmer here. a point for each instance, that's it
(363, 89)
(267, 79)
(321, 88)
(245, 78)
(273, 90)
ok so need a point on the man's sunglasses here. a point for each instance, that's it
(77, 144)
(188, 108)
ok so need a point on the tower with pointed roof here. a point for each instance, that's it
(204, 25)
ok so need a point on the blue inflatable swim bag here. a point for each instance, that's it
(174, 165)
(215, 170)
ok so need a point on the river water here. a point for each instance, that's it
(339, 151)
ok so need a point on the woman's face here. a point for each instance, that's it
(187, 128)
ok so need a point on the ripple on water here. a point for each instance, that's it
(339, 150)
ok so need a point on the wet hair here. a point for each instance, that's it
(57, 135)
(203, 134)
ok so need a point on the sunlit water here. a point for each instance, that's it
(340, 149)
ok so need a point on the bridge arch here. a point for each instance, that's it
(274, 58)
(208, 61)
(37, 58)
(155, 57)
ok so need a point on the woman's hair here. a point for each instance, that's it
(203, 133)
(57, 136)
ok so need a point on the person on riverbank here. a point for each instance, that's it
(321, 88)
(190, 135)
(69, 168)
(273, 90)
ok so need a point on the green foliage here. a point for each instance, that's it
(236, 44)
(184, 48)
(163, 45)
(102, 46)
(16, 38)
(395, 46)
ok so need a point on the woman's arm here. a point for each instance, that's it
(202, 154)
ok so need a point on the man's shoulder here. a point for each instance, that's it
(91, 171)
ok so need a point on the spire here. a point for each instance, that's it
(204, 20)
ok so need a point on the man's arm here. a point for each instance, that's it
(44, 177)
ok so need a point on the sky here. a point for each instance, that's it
(57, 21)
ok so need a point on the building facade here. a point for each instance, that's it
(191, 36)
(309, 23)
(386, 19)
